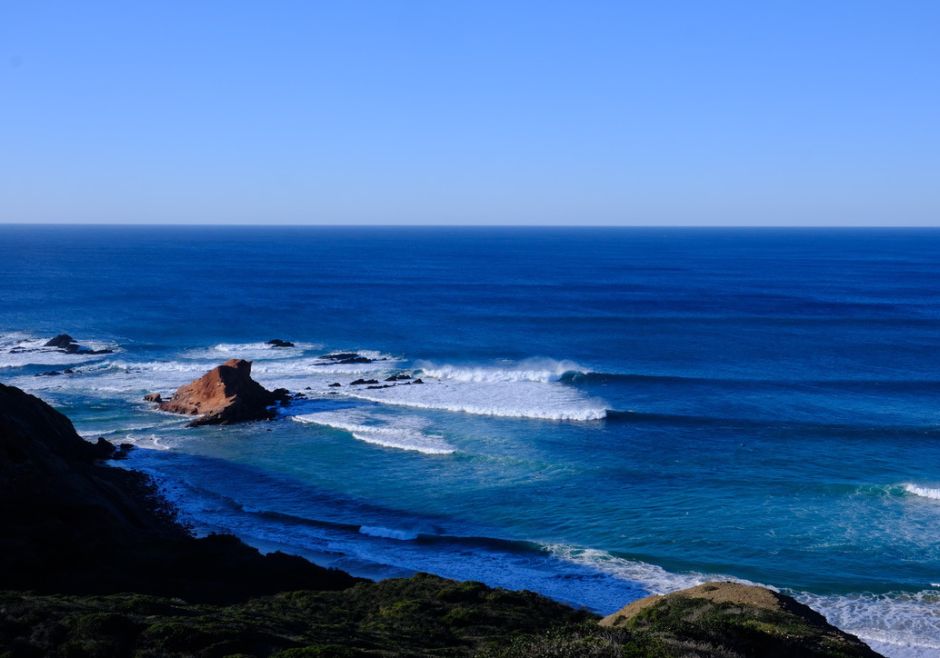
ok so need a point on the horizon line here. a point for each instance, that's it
(490, 226)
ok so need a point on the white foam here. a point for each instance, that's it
(119, 378)
(923, 492)
(20, 349)
(401, 432)
(251, 351)
(504, 396)
(317, 366)
(388, 533)
(898, 624)
(149, 441)
(527, 389)
(530, 370)
(92, 433)
(653, 578)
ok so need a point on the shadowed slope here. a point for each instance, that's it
(72, 524)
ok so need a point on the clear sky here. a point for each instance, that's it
(475, 112)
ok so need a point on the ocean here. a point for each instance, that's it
(604, 413)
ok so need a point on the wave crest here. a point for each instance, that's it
(923, 492)
(530, 370)
(401, 432)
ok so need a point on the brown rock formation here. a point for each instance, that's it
(226, 394)
(153, 397)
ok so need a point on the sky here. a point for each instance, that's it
(471, 112)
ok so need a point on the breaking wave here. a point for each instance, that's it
(529, 389)
(400, 432)
(530, 370)
(923, 492)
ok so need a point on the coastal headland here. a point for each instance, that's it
(94, 563)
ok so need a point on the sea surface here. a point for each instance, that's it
(604, 413)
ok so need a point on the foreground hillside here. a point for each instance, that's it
(92, 564)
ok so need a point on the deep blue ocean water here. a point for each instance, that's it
(605, 413)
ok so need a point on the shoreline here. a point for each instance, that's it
(118, 521)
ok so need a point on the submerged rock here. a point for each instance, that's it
(63, 342)
(277, 342)
(68, 344)
(400, 377)
(153, 397)
(226, 394)
(360, 382)
(346, 357)
(335, 385)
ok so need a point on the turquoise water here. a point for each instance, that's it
(605, 413)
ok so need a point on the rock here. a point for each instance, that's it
(360, 382)
(277, 342)
(153, 397)
(63, 342)
(226, 394)
(381, 386)
(282, 396)
(335, 385)
(49, 373)
(417, 381)
(66, 343)
(398, 378)
(751, 620)
(346, 357)
(104, 449)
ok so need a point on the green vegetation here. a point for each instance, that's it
(419, 616)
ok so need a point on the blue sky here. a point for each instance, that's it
(445, 112)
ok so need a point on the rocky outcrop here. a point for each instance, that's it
(226, 394)
(735, 620)
(153, 397)
(68, 344)
(73, 524)
(277, 342)
(346, 357)
(63, 342)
